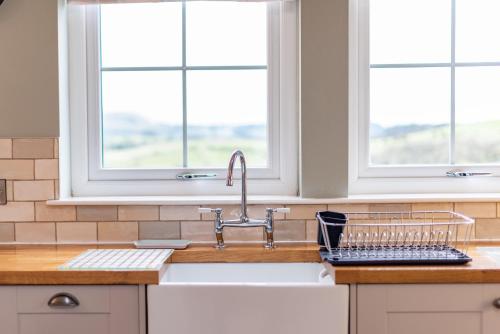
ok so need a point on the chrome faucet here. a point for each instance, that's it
(244, 220)
(229, 181)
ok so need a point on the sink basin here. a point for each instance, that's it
(247, 298)
(491, 252)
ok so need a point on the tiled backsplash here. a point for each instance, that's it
(31, 169)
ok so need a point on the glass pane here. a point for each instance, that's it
(134, 35)
(477, 115)
(409, 116)
(478, 28)
(142, 119)
(226, 33)
(227, 110)
(409, 31)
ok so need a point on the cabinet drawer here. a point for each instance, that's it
(63, 323)
(34, 299)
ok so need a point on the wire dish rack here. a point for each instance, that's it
(417, 237)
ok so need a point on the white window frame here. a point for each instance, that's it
(366, 179)
(89, 179)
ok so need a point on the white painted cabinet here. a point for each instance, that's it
(100, 310)
(426, 309)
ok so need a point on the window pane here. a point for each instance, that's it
(478, 30)
(409, 116)
(226, 33)
(142, 119)
(409, 31)
(478, 115)
(141, 35)
(227, 110)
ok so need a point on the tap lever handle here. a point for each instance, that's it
(205, 210)
(209, 210)
(279, 210)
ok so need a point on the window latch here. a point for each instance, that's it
(191, 176)
(457, 173)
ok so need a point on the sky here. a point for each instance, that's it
(421, 33)
(217, 34)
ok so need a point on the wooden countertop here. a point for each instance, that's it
(39, 265)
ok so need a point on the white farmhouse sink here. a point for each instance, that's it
(491, 252)
(247, 298)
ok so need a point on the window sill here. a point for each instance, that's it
(275, 200)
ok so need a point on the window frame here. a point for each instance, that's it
(366, 179)
(89, 179)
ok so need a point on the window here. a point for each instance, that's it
(174, 87)
(424, 77)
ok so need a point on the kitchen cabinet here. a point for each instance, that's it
(72, 309)
(426, 309)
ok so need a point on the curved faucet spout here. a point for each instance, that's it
(229, 181)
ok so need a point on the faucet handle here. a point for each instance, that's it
(278, 210)
(210, 210)
(205, 210)
(282, 210)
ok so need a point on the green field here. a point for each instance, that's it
(475, 143)
(167, 153)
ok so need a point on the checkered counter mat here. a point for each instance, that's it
(118, 259)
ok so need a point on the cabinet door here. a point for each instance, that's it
(426, 309)
(8, 310)
(491, 314)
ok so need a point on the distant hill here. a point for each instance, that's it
(130, 125)
(429, 144)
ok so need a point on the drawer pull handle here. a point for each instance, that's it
(63, 300)
(496, 303)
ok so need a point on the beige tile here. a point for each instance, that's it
(5, 148)
(76, 232)
(138, 212)
(290, 230)
(33, 190)
(444, 206)
(229, 212)
(488, 229)
(35, 232)
(17, 169)
(243, 234)
(17, 212)
(179, 212)
(388, 210)
(118, 231)
(197, 230)
(39, 148)
(56, 148)
(97, 213)
(432, 207)
(10, 190)
(159, 230)
(389, 207)
(46, 169)
(7, 232)
(312, 230)
(56, 189)
(346, 208)
(477, 210)
(358, 211)
(304, 211)
(64, 213)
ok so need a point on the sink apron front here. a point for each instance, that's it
(253, 306)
